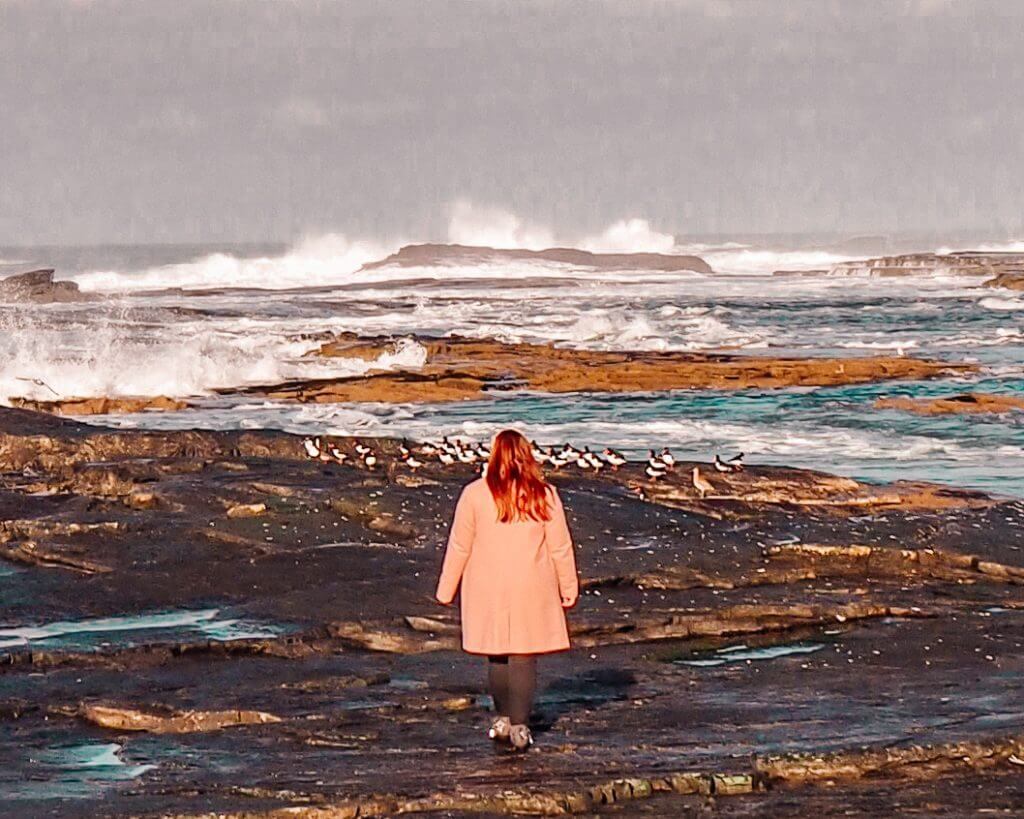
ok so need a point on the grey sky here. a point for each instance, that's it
(221, 120)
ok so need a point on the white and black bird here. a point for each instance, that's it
(412, 462)
(736, 462)
(655, 470)
(613, 458)
(403, 450)
(369, 459)
(312, 447)
(338, 455)
(668, 458)
(723, 466)
(445, 457)
(701, 484)
(362, 450)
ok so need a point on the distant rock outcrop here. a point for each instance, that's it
(963, 263)
(436, 254)
(38, 286)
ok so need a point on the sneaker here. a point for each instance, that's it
(500, 729)
(520, 737)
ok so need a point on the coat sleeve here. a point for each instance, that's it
(460, 544)
(559, 542)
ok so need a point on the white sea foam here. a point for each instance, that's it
(478, 225)
(316, 261)
(114, 357)
(629, 236)
(995, 303)
(986, 247)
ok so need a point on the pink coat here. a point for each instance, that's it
(513, 576)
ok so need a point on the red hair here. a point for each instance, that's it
(513, 476)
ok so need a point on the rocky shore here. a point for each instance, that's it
(258, 628)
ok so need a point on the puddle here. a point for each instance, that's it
(99, 632)
(408, 684)
(72, 772)
(743, 653)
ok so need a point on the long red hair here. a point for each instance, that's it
(513, 476)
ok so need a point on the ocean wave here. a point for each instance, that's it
(114, 358)
(313, 262)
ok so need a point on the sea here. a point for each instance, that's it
(193, 320)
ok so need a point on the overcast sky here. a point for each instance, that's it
(236, 120)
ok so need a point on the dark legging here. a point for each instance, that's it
(512, 680)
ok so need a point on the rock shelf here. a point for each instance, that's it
(873, 631)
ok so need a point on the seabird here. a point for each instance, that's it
(362, 449)
(412, 463)
(338, 455)
(700, 483)
(312, 447)
(614, 458)
(370, 460)
(668, 458)
(654, 472)
(722, 466)
(736, 462)
(403, 450)
(446, 458)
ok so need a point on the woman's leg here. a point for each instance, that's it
(522, 683)
(498, 682)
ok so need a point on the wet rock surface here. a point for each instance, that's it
(100, 406)
(971, 402)
(1011, 281)
(38, 286)
(794, 642)
(461, 368)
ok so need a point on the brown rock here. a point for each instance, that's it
(100, 406)
(176, 722)
(459, 368)
(1011, 281)
(38, 286)
(247, 510)
(966, 403)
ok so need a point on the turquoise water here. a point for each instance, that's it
(76, 771)
(91, 634)
(834, 429)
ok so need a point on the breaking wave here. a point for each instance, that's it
(313, 262)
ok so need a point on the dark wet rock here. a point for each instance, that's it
(38, 286)
(912, 609)
(439, 255)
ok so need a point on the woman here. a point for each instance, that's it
(510, 548)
